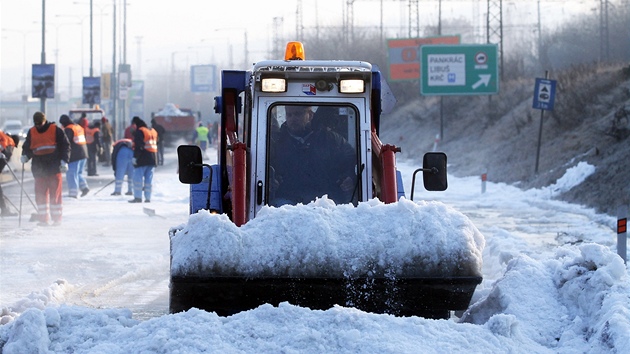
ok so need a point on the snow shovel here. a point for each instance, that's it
(151, 212)
(21, 184)
(105, 186)
(21, 194)
(6, 199)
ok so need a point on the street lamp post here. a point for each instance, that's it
(101, 11)
(91, 43)
(245, 51)
(57, 66)
(42, 105)
(81, 19)
(114, 81)
(24, 33)
(172, 74)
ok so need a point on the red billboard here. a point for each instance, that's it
(404, 55)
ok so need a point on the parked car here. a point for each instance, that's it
(14, 127)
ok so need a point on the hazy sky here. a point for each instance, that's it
(191, 32)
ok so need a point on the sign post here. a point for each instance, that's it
(622, 229)
(544, 96)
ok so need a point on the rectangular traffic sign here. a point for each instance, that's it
(464, 69)
(203, 78)
(403, 55)
(544, 94)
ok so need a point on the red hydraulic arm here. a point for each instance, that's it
(238, 162)
(387, 159)
(239, 216)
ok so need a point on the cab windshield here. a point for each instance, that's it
(312, 152)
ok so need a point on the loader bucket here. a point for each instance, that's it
(425, 297)
(424, 261)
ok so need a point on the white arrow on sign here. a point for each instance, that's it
(483, 80)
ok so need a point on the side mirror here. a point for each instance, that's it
(434, 171)
(190, 164)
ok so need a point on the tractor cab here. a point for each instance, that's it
(296, 130)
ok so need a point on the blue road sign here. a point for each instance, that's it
(544, 94)
(203, 78)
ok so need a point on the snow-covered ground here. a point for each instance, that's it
(99, 283)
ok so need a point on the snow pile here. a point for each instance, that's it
(323, 239)
(53, 295)
(571, 178)
(582, 297)
(170, 110)
(577, 302)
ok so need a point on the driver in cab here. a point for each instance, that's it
(307, 161)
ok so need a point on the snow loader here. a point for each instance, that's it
(345, 99)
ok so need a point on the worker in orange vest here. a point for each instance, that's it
(78, 157)
(144, 160)
(7, 144)
(49, 148)
(94, 145)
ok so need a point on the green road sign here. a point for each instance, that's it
(463, 69)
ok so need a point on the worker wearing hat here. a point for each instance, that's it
(78, 157)
(47, 145)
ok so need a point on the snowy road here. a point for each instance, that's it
(520, 222)
(111, 254)
(107, 253)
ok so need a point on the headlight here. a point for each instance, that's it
(274, 85)
(351, 86)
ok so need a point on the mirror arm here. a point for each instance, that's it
(434, 170)
(192, 164)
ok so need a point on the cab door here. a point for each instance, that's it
(260, 128)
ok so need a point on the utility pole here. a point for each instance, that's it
(495, 29)
(124, 101)
(139, 54)
(299, 25)
(42, 102)
(277, 45)
(604, 44)
(114, 80)
(91, 40)
(414, 19)
(91, 46)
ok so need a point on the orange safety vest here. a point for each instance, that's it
(150, 139)
(89, 134)
(44, 143)
(79, 134)
(6, 140)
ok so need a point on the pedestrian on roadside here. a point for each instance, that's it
(78, 157)
(93, 138)
(7, 145)
(144, 160)
(122, 157)
(161, 132)
(200, 137)
(49, 148)
(107, 136)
